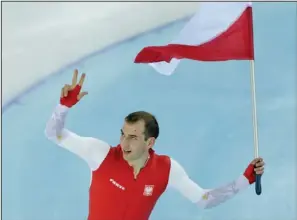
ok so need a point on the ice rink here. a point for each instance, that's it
(205, 116)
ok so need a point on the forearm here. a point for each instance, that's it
(56, 132)
(204, 198)
(54, 129)
(214, 197)
(92, 150)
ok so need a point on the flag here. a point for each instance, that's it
(219, 31)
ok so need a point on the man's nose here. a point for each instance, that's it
(124, 142)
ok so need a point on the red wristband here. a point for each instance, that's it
(250, 173)
(71, 99)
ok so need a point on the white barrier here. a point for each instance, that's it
(41, 37)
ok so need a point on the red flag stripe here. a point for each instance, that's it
(234, 43)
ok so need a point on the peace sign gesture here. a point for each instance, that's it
(70, 94)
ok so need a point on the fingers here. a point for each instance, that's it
(259, 165)
(256, 160)
(82, 79)
(74, 78)
(65, 90)
(259, 170)
(82, 94)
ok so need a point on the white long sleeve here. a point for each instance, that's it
(204, 198)
(92, 150)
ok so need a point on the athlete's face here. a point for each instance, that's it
(133, 141)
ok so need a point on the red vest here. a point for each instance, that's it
(116, 195)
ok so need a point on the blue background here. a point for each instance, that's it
(204, 111)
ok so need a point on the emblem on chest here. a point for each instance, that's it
(148, 190)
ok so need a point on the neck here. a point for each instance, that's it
(139, 163)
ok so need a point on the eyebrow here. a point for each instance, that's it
(131, 135)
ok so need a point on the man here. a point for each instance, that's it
(128, 179)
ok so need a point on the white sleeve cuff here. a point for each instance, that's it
(242, 183)
(62, 108)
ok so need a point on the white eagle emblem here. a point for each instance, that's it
(148, 190)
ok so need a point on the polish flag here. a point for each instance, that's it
(219, 31)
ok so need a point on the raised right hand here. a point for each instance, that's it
(71, 94)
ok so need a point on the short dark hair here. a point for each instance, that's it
(151, 126)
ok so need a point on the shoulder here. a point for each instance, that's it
(115, 152)
(161, 160)
(177, 171)
(166, 161)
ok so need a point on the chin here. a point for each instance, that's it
(126, 157)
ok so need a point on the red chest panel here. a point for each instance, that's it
(116, 195)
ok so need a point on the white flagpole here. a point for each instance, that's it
(254, 107)
(258, 187)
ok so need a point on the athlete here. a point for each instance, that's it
(128, 179)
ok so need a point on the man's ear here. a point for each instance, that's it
(151, 142)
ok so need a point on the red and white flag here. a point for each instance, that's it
(219, 31)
